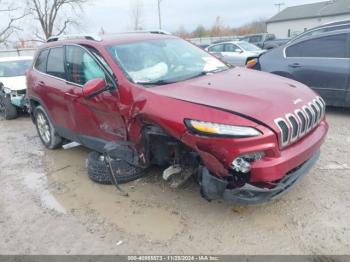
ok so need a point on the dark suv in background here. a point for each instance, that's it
(321, 61)
(264, 40)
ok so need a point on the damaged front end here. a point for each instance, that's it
(18, 97)
(213, 188)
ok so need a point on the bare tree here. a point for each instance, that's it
(136, 14)
(10, 27)
(55, 16)
(218, 27)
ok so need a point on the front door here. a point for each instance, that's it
(97, 119)
(323, 64)
(234, 55)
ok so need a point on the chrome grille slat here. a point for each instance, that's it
(296, 125)
(293, 123)
(316, 113)
(302, 120)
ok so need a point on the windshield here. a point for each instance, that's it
(249, 47)
(14, 68)
(164, 61)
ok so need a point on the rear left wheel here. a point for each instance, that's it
(46, 130)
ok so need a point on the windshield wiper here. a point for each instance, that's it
(204, 73)
(155, 83)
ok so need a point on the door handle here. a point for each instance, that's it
(70, 96)
(295, 65)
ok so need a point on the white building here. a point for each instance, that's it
(297, 19)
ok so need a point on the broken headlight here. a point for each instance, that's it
(242, 163)
(215, 129)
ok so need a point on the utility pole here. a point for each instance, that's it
(279, 5)
(159, 14)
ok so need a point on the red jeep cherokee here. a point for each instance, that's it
(249, 136)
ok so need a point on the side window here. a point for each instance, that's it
(329, 46)
(231, 48)
(255, 39)
(81, 67)
(101, 60)
(216, 48)
(55, 63)
(40, 63)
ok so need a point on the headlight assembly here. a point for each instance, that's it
(215, 129)
(7, 90)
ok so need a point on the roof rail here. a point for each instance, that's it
(156, 31)
(76, 36)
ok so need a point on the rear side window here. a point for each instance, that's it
(40, 63)
(216, 48)
(55, 63)
(81, 66)
(329, 46)
(231, 48)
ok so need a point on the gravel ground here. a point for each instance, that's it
(48, 205)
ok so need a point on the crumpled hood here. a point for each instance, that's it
(257, 95)
(14, 83)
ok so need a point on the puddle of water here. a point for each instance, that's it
(38, 183)
(131, 214)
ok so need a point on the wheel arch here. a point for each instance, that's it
(35, 102)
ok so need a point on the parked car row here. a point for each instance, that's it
(318, 58)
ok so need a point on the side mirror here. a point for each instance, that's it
(238, 51)
(94, 87)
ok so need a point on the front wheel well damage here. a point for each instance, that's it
(162, 149)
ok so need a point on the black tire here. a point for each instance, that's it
(99, 172)
(7, 108)
(50, 139)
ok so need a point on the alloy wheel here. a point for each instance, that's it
(43, 127)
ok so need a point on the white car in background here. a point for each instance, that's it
(13, 85)
(236, 53)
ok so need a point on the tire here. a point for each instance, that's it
(99, 172)
(46, 130)
(7, 108)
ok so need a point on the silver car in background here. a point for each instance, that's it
(236, 53)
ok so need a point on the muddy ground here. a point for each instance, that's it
(48, 205)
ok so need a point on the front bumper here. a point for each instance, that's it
(214, 188)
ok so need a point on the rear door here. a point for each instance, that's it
(98, 119)
(323, 64)
(51, 87)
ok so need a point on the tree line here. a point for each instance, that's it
(56, 17)
(220, 29)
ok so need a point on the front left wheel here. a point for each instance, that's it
(6, 107)
(46, 130)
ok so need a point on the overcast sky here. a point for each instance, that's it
(114, 15)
